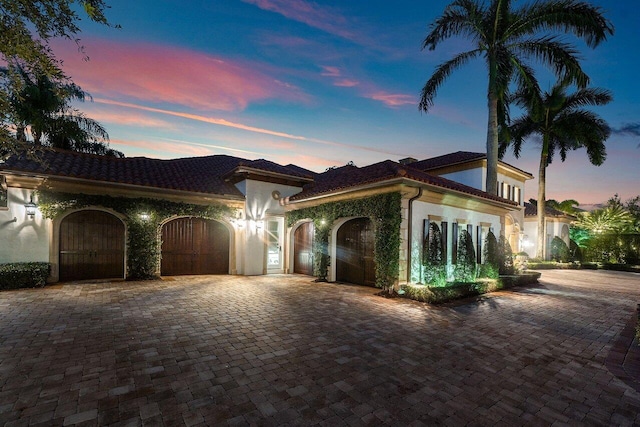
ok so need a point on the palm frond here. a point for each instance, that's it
(579, 18)
(460, 18)
(440, 75)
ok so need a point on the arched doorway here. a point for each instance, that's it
(354, 253)
(303, 249)
(91, 246)
(194, 246)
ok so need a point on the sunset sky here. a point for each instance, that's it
(323, 83)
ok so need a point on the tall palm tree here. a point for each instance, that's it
(43, 107)
(563, 125)
(506, 38)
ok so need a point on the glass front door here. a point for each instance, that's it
(274, 240)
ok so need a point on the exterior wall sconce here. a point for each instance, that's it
(145, 216)
(31, 208)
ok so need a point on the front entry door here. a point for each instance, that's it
(303, 249)
(274, 240)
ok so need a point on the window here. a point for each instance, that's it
(454, 242)
(445, 240)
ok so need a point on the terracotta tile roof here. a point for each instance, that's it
(301, 170)
(269, 166)
(349, 176)
(447, 160)
(531, 210)
(459, 157)
(196, 174)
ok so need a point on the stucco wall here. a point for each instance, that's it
(423, 210)
(25, 239)
(260, 206)
(554, 228)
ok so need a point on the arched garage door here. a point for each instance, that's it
(303, 249)
(354, 253)
(194, 246)
(91, 246)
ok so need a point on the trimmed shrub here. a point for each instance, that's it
(465, 270)
(559, 250)
(24, 275)
(505, 256)
(435, 270)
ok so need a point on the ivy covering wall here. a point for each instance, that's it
(143, 218)
(384, 211)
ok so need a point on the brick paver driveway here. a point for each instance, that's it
(282, 350)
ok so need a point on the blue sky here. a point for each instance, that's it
(323, 83)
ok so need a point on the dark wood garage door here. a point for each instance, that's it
(194, 246)
(91, 246)
(354, 255)
(303, 249)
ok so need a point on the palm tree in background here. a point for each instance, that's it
(506, 38)
(42, 110)
(569, 206)
(562, 123)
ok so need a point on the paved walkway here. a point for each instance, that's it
(282, 350)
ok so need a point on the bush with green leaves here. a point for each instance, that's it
(435, 269)
(559, 250)
(465, 270)
(498, 253)
(24, 275)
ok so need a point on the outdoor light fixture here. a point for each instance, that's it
(145, 216)
(31, 207)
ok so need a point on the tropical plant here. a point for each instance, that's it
(563, 124)
(612, 219)
(26, 30)
(568, 206)
(507, 38)
(42, 110)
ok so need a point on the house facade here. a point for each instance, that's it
(94, 217)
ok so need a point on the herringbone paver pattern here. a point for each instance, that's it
(282, 350)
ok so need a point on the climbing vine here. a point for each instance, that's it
(384, 211)
(143, 217)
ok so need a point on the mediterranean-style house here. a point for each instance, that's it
(94, 217)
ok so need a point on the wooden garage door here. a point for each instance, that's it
(303, 249)
(354, 255)
(91, 246)
(194, 246)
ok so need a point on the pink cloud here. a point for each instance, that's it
(329, 71)
(130, 119)
(163, 74)
(153, 148)
(346, 83)
(312, 14)
(393, 100)
(241, 126)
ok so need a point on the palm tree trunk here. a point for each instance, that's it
(491, 184)
(542, 181)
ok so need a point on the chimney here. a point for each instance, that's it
(407, 161)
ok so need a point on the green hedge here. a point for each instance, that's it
(454, 291)
(24, 275)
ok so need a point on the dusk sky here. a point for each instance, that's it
(323, 83)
